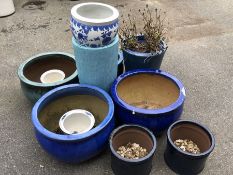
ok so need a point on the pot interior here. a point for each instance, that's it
(148, 91)
(50, 115)
(35, 68)
(193, 132)
(94, 11)
(133, 135)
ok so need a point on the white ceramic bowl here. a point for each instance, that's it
(94, 24)
(52, 76)
(76, 121)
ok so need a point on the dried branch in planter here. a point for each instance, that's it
(154, 30)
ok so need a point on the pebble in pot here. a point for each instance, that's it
(151, 98)
(132, 149)
(43, 72)
(190, 157)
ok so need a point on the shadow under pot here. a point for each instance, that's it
(150, 98)
(141, 60)
(124, 135)
(181, 161)
(62, 102)
(46, 71)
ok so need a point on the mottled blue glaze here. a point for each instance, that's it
(93, 36)
(144, 60)
(157, 120)
(74, 148)
(34, 90)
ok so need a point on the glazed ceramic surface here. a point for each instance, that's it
(6, 7)
(30, 71)
(79, 147)
(94, 24)
(140, 60)
(97, 66)
(157, 120)
(133, 134)
(186, 163)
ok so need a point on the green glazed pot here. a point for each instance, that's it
(29, 73)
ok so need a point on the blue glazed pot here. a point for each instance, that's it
(183, 162)
(140, 60)
(156, 119)
(29, 73)
(79, 147)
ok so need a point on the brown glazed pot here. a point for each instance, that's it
(183, 162)
(134, 134)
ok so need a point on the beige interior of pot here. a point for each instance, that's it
(50, 115)
(132, 135)
(35, 69)
(148, 91)
(193, 132)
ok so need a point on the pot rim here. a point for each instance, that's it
(134, 109)
(92, 21)
(212, 139)
(133, 160)
(46, 97)
(23, 78)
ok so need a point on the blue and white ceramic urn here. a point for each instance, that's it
(94, 24)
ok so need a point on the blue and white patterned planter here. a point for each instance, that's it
(94, 24)
(93, 36)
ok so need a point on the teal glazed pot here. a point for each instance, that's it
(97, 66)
(144, 60)
(74, 148)
(147, 97)
(30, 71)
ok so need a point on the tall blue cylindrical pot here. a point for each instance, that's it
(97, 66)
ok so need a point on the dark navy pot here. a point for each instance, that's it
(74, 148)
(186, 163)
(133, 134)
(140, 60)
(29, 73)
(157, 120)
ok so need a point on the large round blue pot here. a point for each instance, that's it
(141, 60)
(80, 147)
(29, 73)
(151, 98)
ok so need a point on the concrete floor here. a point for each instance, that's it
(200, 53)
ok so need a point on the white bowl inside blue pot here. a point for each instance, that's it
(94, 24)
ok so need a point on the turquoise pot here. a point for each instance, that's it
(97, 66)
(29, 73)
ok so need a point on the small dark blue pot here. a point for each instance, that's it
(157, 120)
(140, 60)
(29, 73)
(133, 134)
(186, 163)
(74, 148)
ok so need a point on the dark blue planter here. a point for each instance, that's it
(30, 71)
(74, 148)
(157, 120)
(140, 60)
(186, 163)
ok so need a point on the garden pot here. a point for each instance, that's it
(40, 67)
(94, 24)
(183, 162)
(6, 7)
(73, 148)
(141, 60)
(97, 66)
(151, 98)
(133, 134)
